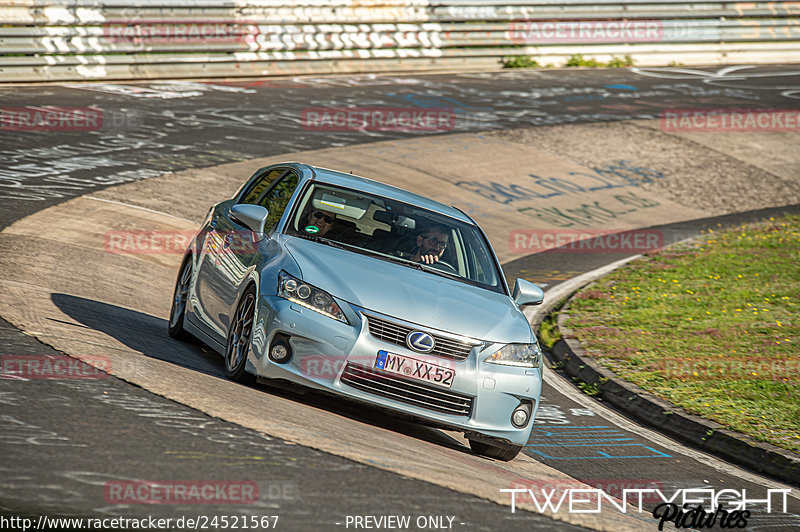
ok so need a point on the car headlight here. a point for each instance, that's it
(524, 355)
(309, 296)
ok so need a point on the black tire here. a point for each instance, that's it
(177, 312)
(239, 336)
(503, 454)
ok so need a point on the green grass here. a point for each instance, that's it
(578, 60)
(548, 332)
(521, 61)
(712, 326)
(621, 62)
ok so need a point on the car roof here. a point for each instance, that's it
(371, 186)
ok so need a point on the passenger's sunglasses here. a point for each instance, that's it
(436, 242)
(319, 215)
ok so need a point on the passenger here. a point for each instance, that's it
(319, 222)
(431, 244)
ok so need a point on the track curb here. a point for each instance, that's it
(662, 415)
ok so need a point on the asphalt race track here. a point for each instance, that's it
(314, 460)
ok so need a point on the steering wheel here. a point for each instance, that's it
(444, 266)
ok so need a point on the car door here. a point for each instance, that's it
(237, 249)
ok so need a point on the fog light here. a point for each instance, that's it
(521, 415)
(280, 351)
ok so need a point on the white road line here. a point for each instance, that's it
(564, 387)
(140, 208)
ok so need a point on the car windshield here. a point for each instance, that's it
(396, 232)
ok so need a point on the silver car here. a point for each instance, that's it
(355, 287)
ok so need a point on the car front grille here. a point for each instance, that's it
(396, 333)
(417, 394)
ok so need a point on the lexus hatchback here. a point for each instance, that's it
(351, 286)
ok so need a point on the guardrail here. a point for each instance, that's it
(59, 40)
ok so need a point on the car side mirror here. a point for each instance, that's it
(527, 293)
(254, 217)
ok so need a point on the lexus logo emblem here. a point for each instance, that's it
(420, 341)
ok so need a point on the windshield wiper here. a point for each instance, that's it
(321, 240)
(421, 266)
(430, 268)
(400, 260)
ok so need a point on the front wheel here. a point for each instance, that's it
(498, 453)
(179, 299)
(239, 337)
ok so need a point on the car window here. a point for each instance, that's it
(390, 230)
(277, 198)
(272, 191)
(260, 185)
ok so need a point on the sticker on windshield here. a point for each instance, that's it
(311, 229)
(333, 201)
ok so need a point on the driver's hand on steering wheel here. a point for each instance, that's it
(429, 259)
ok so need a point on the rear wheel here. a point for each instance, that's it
(179, 301)
(239, 337)
(498, 453)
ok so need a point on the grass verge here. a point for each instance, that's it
(712, 326)
(576, 60)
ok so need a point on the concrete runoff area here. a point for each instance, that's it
(87, 299)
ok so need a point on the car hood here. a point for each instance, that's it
(408, 294)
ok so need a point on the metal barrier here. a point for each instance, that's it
(60, 40)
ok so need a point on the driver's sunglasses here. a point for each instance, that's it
(319, 215)
(436, 242)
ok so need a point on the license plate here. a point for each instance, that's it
(415, 369)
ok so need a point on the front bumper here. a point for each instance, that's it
(340, 358)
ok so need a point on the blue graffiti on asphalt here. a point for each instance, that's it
(554, 437)
(622, 86)
(570, 442)
(467, 117)
(426, 100)
(622, 174)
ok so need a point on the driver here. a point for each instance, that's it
(431, 244)
(319, 222)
